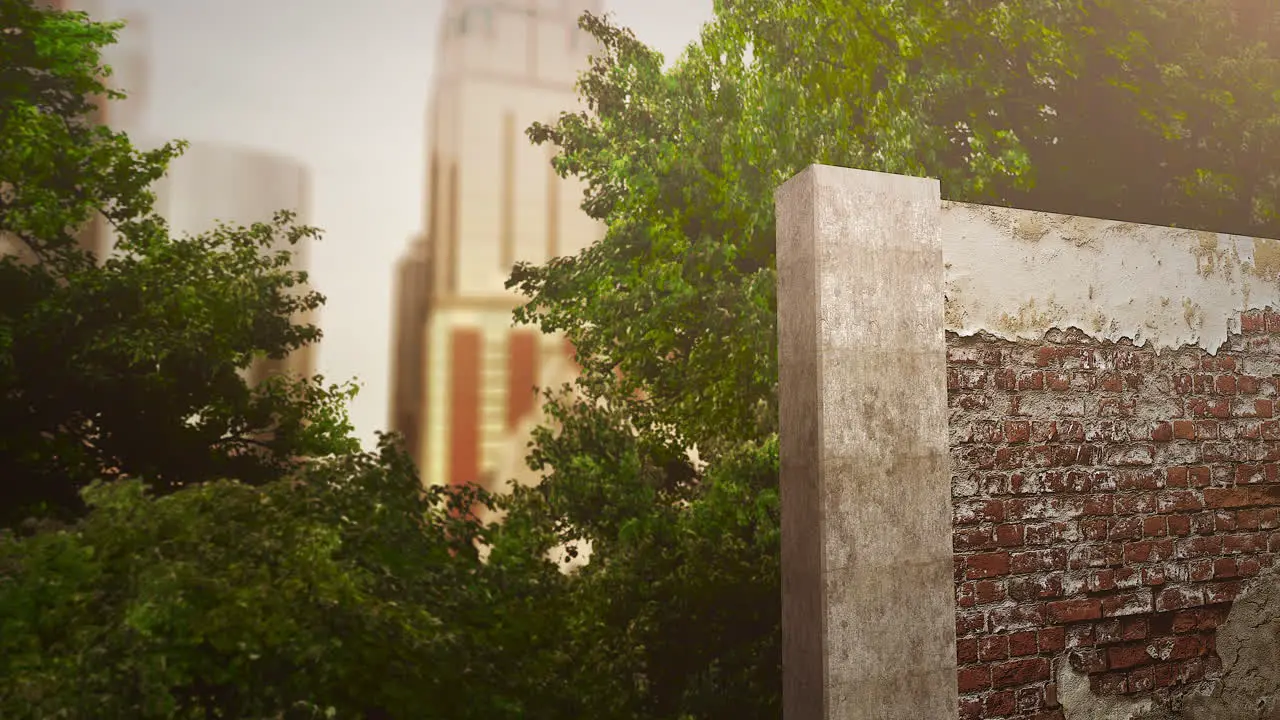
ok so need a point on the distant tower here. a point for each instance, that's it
(212, 182)
(215, 182)
(462, 375)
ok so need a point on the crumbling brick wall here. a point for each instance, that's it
(1108, 502)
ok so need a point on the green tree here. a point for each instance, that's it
(344, 592)
(1162, 112)
(130, 365)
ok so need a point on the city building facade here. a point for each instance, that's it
(463, 375)
(212, 183)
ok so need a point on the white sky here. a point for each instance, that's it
(341, 86)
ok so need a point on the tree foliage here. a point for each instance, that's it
(1162, 112)
(344, 592)
(131, 364)
(259, 566)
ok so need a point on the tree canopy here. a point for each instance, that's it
(236, 555)
(133, 363)
(1162, 112)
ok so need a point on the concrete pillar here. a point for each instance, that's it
(868, 600)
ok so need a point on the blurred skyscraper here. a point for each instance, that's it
(462, 376)
(211, 182)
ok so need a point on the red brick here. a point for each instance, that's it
(966, 651)
(1122, 657)
(999, 704)
(1052, 640)
(987, 565)
(1038, 561)
(1177, 598)
(1030, 700)
(1136, 503)
(1250, 474)
(976, 511)
(993, 648)
(1252, 322)
(1029, 588)
(1225, 568)
(1200, 570)
(1019, 672)
(1010, 534)
(1132, 603)
(1017, 431)
(1148, 551)
(1162, 432)
(1249, 543)
(1242, 496)
(1080, 635)
(970, 538)
(1076, 610)
(1141, 680)
(1184, 430)
(1221, 592)
(986, 592)
(1198, 477)
(1016, 617)
(1224, 521)
(1155, 526)
(1263, 408)
(1023, 643)
(974, 678)
(970, 622)
(1170, 501)
(1201, 546)
(1126, 528)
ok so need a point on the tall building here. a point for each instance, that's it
(215, 182)
(462, 374)
(212, 182)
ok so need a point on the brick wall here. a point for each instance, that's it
(1108, 502)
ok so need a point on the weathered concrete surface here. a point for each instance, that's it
(868, 591)
(1080, 703)
(1018, 273)
(1249, 645)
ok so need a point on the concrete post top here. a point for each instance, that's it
(834, 176)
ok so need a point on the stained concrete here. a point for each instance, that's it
(868, 595)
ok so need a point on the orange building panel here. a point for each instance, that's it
(464, 406)
(522, 376)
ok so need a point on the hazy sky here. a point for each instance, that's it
(340, 85)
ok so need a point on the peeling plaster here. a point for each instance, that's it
(1017, 273)
(1079, 703)
(1249, 645)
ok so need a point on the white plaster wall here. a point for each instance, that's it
(1018, 273)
